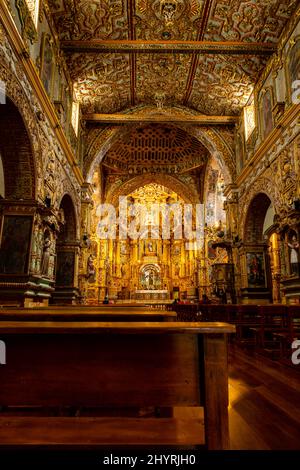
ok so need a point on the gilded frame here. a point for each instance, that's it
(262, 96)
(47, 63)
(289, 79)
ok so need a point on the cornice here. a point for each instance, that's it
(21, 51)
(290, 116)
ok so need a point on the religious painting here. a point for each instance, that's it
(294, 62)
(293, 69)
(65, 268)
(256, 270)
(15, 244)
(47, 63)
(266, 113)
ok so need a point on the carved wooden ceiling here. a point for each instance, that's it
(123, 53)
(155, 148)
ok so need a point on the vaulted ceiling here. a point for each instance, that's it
(202, 54)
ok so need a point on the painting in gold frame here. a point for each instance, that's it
(47, 62)
(293, 65)
(266, 112)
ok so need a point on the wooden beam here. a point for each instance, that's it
(200, 120)
(188, 47)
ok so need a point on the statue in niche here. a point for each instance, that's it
(150, 247)
(294, 255)
(91, 271)
(46, 256)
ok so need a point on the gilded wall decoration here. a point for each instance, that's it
(44, 144)
(101, 83)
(15, 92)
(285, 170)
(28, 27)
(187, 193)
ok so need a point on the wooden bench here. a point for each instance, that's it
(98, 370)
(86, 314)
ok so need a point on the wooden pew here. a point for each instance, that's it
(287, 335)
(86, 314)
(98, 366)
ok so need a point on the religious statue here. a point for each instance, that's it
(150, 247)
(294, 256)
(91, 271)
(46, 256)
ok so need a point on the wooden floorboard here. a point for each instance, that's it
(264, 408)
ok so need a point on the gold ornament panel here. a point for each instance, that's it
(180, 22)
(254, 20)
(101, 83)
(161, 75)
(223, 84)
(90, 19)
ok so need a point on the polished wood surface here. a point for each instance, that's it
(96, 432)
(117, 365)
(264, 396)
(207, 328)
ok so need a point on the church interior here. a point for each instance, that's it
(150, 224)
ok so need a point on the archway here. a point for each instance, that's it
(100, 142)
(16, 154)
(260, 254)
(17, 205)
(255, 219)
(66, 278)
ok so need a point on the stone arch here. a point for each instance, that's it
(186, 193)
(67, 253)
(22, 100)
(256, 214)
(69, 231)
(261, 185)
(100, 143)
(16, 154)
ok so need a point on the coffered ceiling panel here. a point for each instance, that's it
(178, 20)
(222, 85)
(161, 77)
(122, 75)
(101, 82)
(254, 20)
(90, 19)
